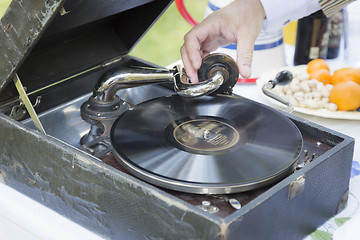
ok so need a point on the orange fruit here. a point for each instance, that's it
(346, 74)
(317, 64)
(322, 75)
(346, 95)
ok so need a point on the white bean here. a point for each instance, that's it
(325, 99)
(289, 93)
(286, 88)
(308, 96)
(331, 106)
(313, 83)
(295, 87)
(305, 87)
(299, 95)
(325, 93)
(329, 86)
(303, 76)
(316, 95)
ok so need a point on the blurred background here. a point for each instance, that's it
(161, 45)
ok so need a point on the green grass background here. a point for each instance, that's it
(161, 44)
(3, 5)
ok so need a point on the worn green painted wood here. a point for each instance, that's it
(21, 27)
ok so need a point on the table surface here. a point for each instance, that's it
(20, 217)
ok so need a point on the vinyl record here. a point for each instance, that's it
(207, 145)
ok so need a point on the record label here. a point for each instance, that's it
(203, 135)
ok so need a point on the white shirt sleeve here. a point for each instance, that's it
(281, 12)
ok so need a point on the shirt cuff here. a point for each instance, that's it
(281, 12)
(330, 7)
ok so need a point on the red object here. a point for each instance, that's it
(246, 80)
(184, 13)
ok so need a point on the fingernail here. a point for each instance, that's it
(246, 71)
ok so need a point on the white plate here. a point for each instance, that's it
(351, 115)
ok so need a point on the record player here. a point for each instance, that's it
(148, 161)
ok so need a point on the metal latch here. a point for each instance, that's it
(296, 187)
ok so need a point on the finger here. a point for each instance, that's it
(191, 72)
(193, 47)
(244, 52)
(197, 44)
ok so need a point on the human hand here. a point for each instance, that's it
(240, 22)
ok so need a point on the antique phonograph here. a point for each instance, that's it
(133, 150)
(189, 142)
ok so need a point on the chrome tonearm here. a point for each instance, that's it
(111, 83)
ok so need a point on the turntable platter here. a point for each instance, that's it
(208, 145)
